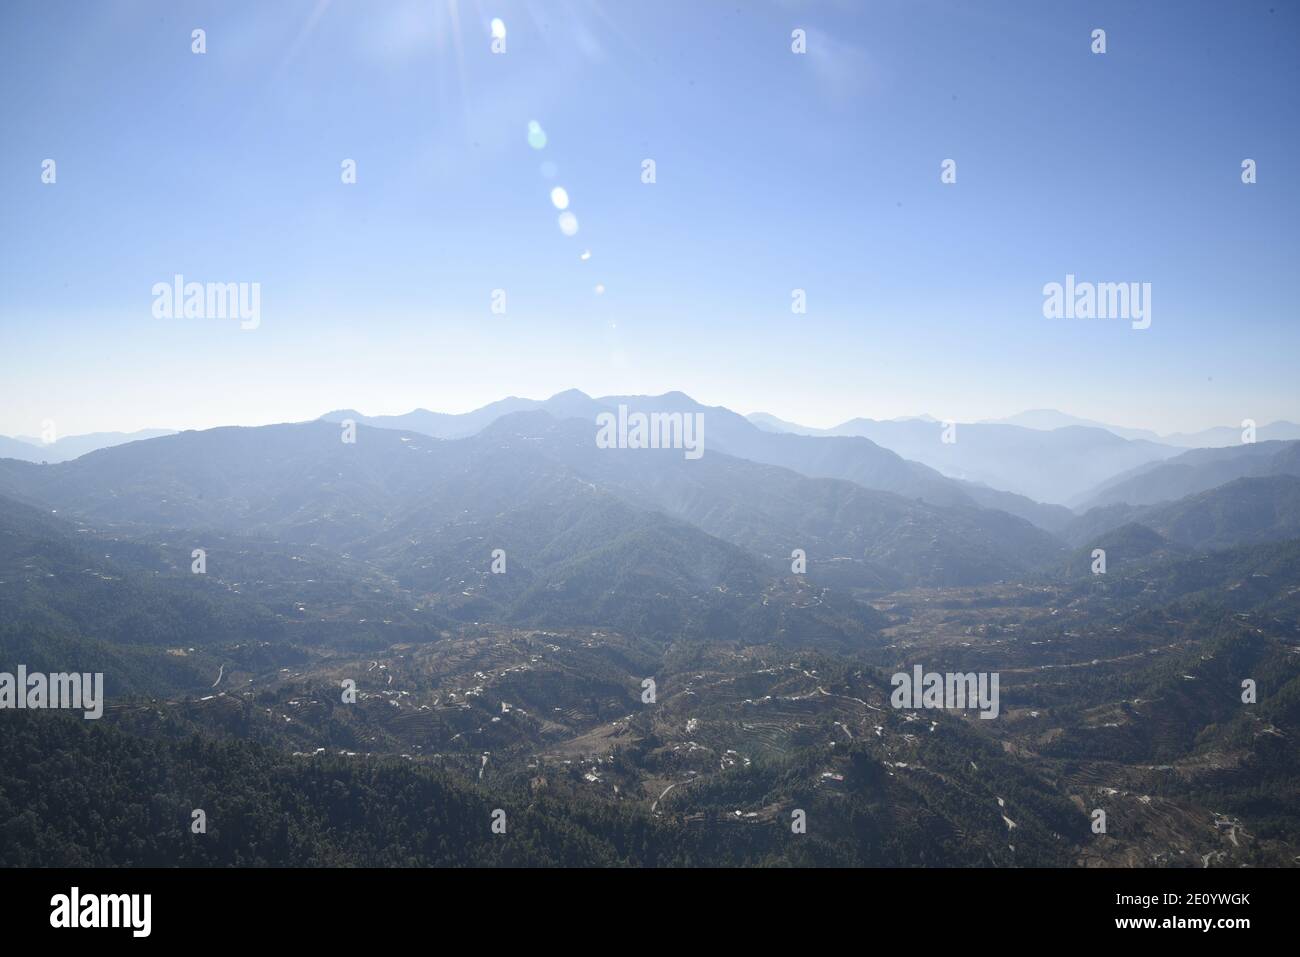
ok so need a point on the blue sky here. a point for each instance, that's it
(775, 171)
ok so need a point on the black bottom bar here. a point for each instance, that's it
(330, 906)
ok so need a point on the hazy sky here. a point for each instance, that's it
(775, 171)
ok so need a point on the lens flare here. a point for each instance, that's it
(536, 135)
(560, 197)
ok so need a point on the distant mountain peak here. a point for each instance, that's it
(566, 394)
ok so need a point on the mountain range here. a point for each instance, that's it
(69, 447)
(1024, 464)
(933, 512)
(1218, 436)
(501, 587)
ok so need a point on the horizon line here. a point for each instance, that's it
(1084, 422)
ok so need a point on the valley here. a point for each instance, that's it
(644, 659)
